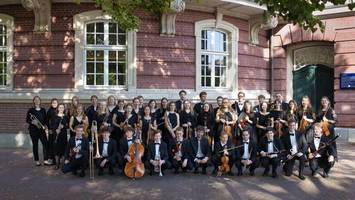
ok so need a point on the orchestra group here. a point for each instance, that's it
(142, 136)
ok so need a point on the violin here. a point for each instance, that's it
(135, 168)
(224, 167)
(303, 124)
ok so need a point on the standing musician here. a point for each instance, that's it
(291, 112)
(257, 108)
(187, 119)
(91, 111)
(131, 119)
(157, 156)
(319, 154)
(141, 102)
(222, 150)
(277, 115)
(270, 150)
(112, 107)
(124, 145)
(160, 114)
(51, 114)
(118, 118)
(180, 103)
(219, 101)
(137, 109)
(77, 118)
(246, 120)
(72, 108)
(59, 125)
(199, 106)
(179, 154)
(225, 119)
(327, 118)
(107, 150)
(77, 152)
(172, 122)
(246, 154)
(36, 118)
(153, 108)
(262, 120)
(207, 120)
(296, 146)
(102, 115)
(148, 124)
(280, 98)
(305, 115)
(200, 150)
(238, 105)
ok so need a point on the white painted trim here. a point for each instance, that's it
(8, 21)
(79, 26)
(291, 65)
(232, 66)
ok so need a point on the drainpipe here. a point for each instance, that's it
(271, 62)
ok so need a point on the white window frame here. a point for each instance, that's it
(8, 21)
(232, 49)
(80, 21)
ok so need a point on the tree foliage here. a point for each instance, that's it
(301, 11)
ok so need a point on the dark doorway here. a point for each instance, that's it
(315, 81)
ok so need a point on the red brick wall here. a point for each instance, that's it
(341, 31)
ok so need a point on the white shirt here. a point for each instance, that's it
(105, 149)
(78, 145)
(199, 152)
(316, 144)
(129, 142)
(270, 147)
(246, 150)
(293, 142)
(157, 152)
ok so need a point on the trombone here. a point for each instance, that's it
(91, 156)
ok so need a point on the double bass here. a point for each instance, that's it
(135, 168)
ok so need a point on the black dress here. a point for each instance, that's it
(167, 137)
(262, 120)
(145, 128)
(75, 123)
(330, 115)
(228, 116)
(207, 119)
(117, 132)
(185, 118)
(61, 140)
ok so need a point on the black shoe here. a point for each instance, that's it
(82, 173)
(74, 172)
(176, 171)
(251, 173)
(274, 174)
(240, 173)
(110, 171)
(230, 173)
(101, 172)
(301, 177)
(214, 172)
(204, 171)
(313, 173)
(184, 170)
(266, 172)
(150, 173)
(196, 171)
(325, 175)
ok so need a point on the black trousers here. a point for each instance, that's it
(288, 167)
(51, 144)
(321, 162)
(251, 167)
(216, 160)
(178, 164)
(203, 166)
(36, 135)
(109, 164)
(266, 162)
(76, 164)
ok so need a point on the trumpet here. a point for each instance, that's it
(36, 122)
(158, 168)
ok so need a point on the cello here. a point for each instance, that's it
(135, 168)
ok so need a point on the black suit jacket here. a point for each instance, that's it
(323, 141)
(111, 149)
(163, 149)
(123, 146)
(185, 147)
(278, 146)
(236, 108)
(205, 148)
(198, 108)
(178, 105)
(218, 147)
(84, 151)
(300, 139)
(252, 148)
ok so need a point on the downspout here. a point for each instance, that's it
(271, 62)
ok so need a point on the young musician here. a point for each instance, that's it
(180, 103)
(262, 120)
(246, 120)
(148, 124)
(124, 145)
(91, 111)
(296, 146)
(157, 156)
(200, 150)
(77, 152)
(246, 154)
(112, 107)
(160, 114)
(137, 110)
(277, 116)
(107, 150)
(319, 154)
(199, 106)
(221, 149)
(131, 119)
(59, 126)
(219, 101)
(51, 114)
(77, 118)
(117, 119)
(36, 119)
(172, 122)
(284, 105)
(291, 112)
(153, 108)
(207, 120)
(270, 149)
(141, 103)
(257, 108)
(225, 116)
(73, 106)
(238, 105)
(305, 115)
(180, 155)
(187, 119)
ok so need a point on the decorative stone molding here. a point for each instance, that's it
(42, 12)
(167, 21)
(258, 22)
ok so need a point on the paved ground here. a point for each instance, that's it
(21, 180)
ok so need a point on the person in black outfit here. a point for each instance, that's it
(91, 112)
(198, 108)
(296, 147)
(246, 154)
(179, 154)
(207, 120)
(51, 114)
(200, 150)
(124, 145)
(157, 155)
(238, 105)
(172, 122)
(179, 103)
(257, 108)
(187, 119)
(318, 155)
(107, 150)
(77, 153)
(270, 151)
(36, 119)
(284, 105)
(221, 150)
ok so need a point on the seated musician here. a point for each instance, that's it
(124, 145)
(77, 152)
(296, 146)
(157, 156)
(270, 149)
(246, 154)
(107, 150)
(320, 154)
(179, 153)
(200, 150)
(223, 148)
